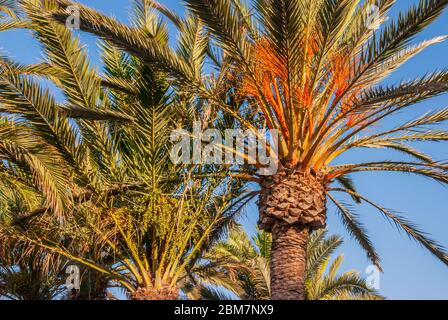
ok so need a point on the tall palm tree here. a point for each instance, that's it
(241, 265)
(312, 71)
(108, 196)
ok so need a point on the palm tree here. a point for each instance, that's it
(29, 273)
(107, 196)
(242, 267)
(26, 272)
(313, 72)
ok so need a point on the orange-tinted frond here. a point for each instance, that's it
(340, 70)
(267, 83)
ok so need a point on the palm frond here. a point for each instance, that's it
(408, 227)
(356, 230)
(221, 18)
(131, 40)
(319, 249)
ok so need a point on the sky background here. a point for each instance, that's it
(410, 272)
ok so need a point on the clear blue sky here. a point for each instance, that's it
(410, 272)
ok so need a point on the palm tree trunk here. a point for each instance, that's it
(288, 261)
(292, 203)
(93, 287)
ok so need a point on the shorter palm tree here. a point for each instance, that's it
(241, 266)
(29, 273)
(108, 197)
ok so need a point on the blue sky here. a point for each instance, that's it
(410, 272)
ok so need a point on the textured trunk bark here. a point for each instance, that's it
(295, 197)
(292, 203)
(288, 261)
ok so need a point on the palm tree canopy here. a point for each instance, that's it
(314, 72)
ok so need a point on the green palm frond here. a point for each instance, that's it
(346, 286)
(132, 40)
(434, 170)
(8, 8)
(79, 80)
(398, 34)
(408, 92)
(404, 224)
(286, 23)
(209, 293)
(222, 19)
(240, 266)
(76, 112)
(164, 10)
(11, 24)
(359, 30)
(356, 230)
(146, 19)
(347, 182)
(320, 248)
(193, 44)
